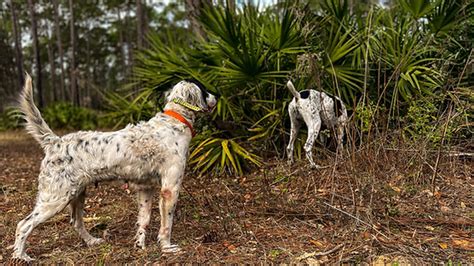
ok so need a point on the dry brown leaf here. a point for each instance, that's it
(443, 245)
(429, 239)
(231, 247)
(445, 209)
(395, 188)
(366, 235)
(429, 227)
(316, 243)
(463, 243)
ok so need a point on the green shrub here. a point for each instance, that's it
(365, 116)
(67, 116)
(429, 118)
(121, 110)
(10, 119)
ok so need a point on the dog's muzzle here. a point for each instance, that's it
(211, 104)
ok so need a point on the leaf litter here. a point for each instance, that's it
(271, 215)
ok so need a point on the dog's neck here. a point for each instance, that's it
(188, 114)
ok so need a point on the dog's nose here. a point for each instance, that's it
(211, 103)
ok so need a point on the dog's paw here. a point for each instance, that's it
(170, 249)
(18, 258)
(95, 241)
(17, 262)
(140, 243)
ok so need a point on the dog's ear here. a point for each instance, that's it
(166, 95)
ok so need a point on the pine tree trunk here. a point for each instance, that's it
(193, 8)
(18, 52)
(87, 91)
(74, 89)
(139, 24)
(52, 66)
(62, 89)
(128, 42)
(121, 42)
(231, 5)
(34, 33)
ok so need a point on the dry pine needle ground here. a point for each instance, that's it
(376, 205)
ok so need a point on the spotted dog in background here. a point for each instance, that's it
(314, 108)
(143, 155)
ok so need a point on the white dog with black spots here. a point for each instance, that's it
(144, 155)
(314, 108)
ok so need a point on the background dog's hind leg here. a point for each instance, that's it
(77, 214)
(314, 125)
(295, 127)
(144, 197)
(41, 212)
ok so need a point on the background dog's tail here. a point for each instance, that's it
(292, 89)
(35, 124)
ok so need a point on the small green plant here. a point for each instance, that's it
(421, 120)
(365, 115)
(274, 253)
(221, 154)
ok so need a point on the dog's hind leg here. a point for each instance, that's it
(46, 207)
(77, 214)
(145, 196)
(295, 127)
(314, 125)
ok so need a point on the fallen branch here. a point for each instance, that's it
(323, 253)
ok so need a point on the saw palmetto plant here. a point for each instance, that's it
(384, 58)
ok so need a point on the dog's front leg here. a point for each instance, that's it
(170, 187)
(144, 196)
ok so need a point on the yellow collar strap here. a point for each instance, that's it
(187, 105)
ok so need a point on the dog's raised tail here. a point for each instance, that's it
(292, 89)
(35, 124)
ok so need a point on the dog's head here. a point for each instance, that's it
(193, 93)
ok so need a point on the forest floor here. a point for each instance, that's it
(379, 209)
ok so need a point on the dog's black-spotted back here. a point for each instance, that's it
(304, 94)
(201, 86)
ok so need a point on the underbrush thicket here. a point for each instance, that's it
(400, 70)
